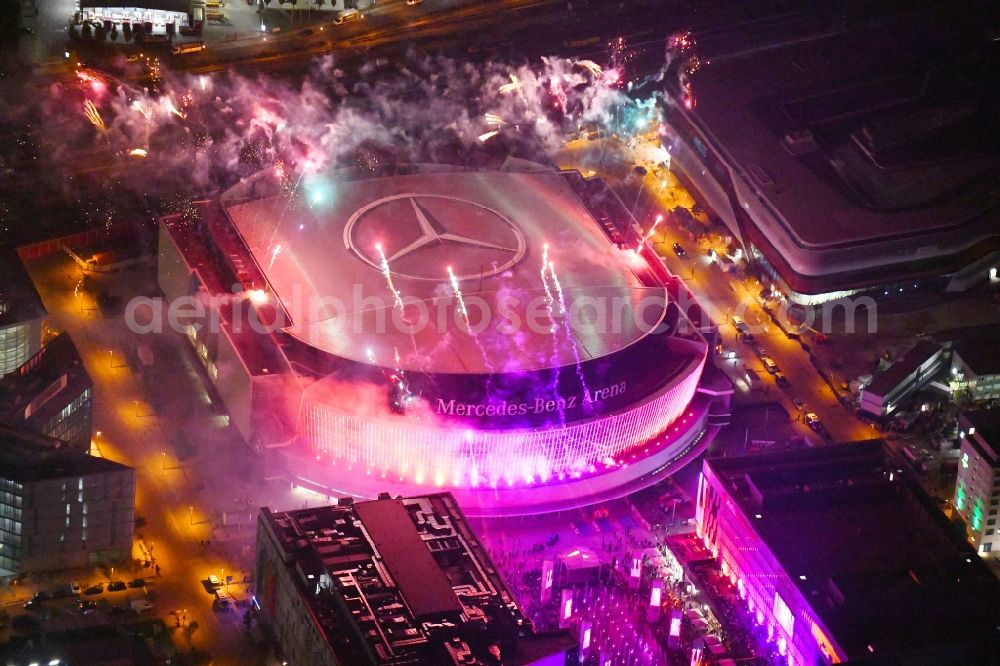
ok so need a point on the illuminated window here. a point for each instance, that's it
(965, 461)
(13, 347)
(783, 614)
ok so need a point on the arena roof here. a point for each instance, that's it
(320, 243)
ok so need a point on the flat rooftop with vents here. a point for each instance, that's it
(390, 581)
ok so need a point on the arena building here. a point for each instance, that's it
(843, 156)
(444, 328)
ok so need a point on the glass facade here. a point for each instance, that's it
(10, 526)
(15, 347)
(72, 423)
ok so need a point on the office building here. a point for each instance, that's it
(60, 508)
(977, 490)
(843, 558)
(21, 313)
(390, 581)
(51, 394)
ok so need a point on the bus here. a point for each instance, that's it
(674, 637)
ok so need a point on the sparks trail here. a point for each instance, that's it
(513, 86)
(545, 269)
(94, 116)
(457, 290)
(549, 302)
(567, 330)
(458, 295)
(274, 255)
(384, 265)
(647, 235)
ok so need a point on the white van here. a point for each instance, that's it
(188, 47)
(346, 16)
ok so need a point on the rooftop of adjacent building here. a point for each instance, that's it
(904, 366)
(423, 586)
(95, 644)
(983, 431)
(19, 300)
(207, 243)
(879, 564)
(44, 385)
(978, 347)
(26, 456)
(860, 124)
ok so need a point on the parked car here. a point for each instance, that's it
(679, 250)
(812, 420)
(222, 601)
(138, 582)
(780, 379)
(140, 605)
(94, 589)
(213, 580)
(770, 365)
(117, 586)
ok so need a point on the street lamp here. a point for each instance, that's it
(191, 515)
(163, 455)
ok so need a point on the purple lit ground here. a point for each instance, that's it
(620, 631)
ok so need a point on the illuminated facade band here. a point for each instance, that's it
(466, 457)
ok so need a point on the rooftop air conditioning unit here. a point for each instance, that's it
(799, 142)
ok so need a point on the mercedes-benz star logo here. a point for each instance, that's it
(475, 240)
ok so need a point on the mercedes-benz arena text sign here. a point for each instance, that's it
(422, 233)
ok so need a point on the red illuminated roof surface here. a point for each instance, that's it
(494, 224)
